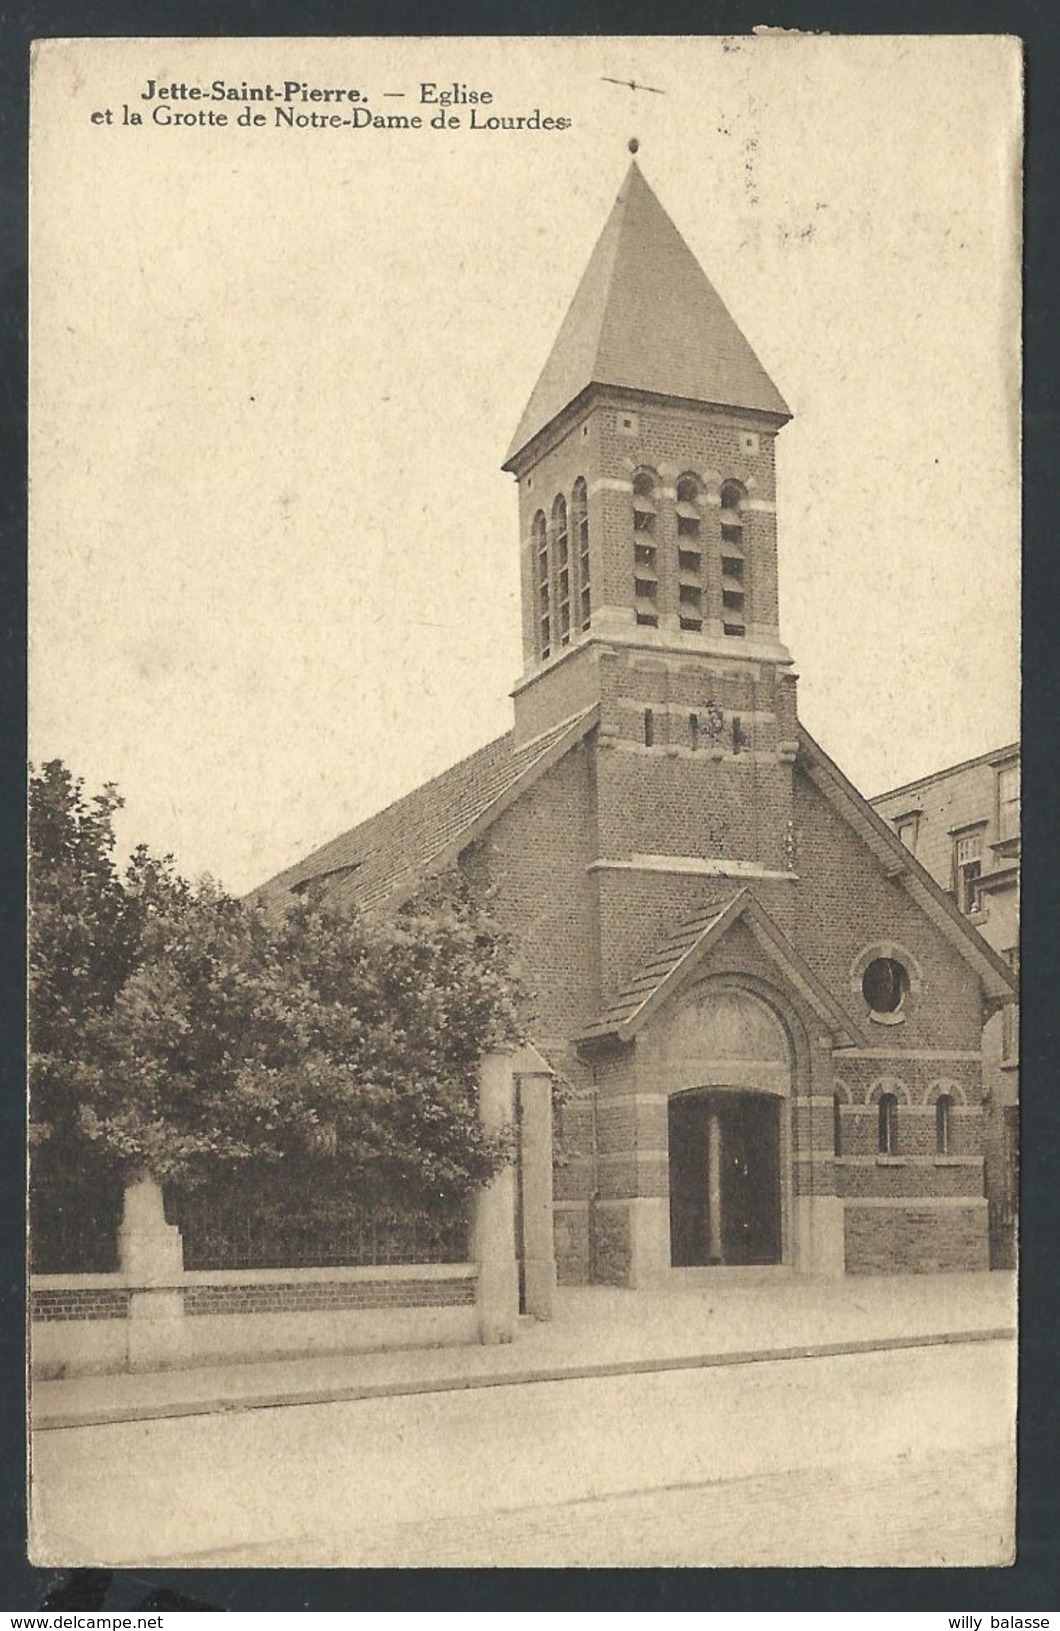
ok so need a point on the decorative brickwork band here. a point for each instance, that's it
(92, 1303)
(328, 1296)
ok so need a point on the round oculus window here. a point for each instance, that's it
(883, 985)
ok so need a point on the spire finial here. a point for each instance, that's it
(633, 145)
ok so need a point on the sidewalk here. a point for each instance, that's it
(708, 1317)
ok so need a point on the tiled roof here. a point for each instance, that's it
(666, 967)
(646, 317)
(659, 967)
(397, 846)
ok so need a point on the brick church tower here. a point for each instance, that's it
(765, 1016)
(647, 505)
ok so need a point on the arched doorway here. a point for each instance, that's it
(725, 1192)
(727, 1063)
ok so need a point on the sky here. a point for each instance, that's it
(275, 370)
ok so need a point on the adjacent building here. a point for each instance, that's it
(765, 1013)
(963, 826)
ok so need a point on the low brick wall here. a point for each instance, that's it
(913, 1238)
(82, 1324)
(84, 1303)
(292, 1297)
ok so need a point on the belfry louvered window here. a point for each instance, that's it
(561, 541)
(690, 593)
(645, 562)
(580, 533)
(542, 585)
(733, 561)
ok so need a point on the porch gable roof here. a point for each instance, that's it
(667, 968)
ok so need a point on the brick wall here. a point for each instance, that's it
(639, 910)
(295, 1296)
(571, 1232)
(611, 1245)
(582, 934)
(671, 441)
(534, 860)
(908, 1178)
(915, 1240)
(705, 443)
(653, 803)
(83, 1303)
(846, 903)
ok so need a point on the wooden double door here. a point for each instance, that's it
(725, 1191)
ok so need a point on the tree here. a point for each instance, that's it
(81, 950)
(185, 1037)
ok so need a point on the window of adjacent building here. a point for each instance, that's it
(580, 529)
(887, 1125)
(884, 984)
(1008, 802)
(542, 584)
(1010, 1032)
(906, 829)
(967, 868)
(943, 1124)
(837, 1124)
(1010, 1014)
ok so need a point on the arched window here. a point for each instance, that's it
(561, 543)
(689, 520)
(542, 585)
(645, 573)
(690, 592)
(887, 1139)
(733, 561)
(580, 528)
(644, 501)
(943, 1128)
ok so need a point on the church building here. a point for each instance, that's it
(765, 1016)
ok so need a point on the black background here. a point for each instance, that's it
(1032, 1584)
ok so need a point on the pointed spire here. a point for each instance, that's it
(645, 316)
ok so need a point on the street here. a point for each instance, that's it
(887, 1458)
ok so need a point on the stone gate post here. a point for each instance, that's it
(534, 1087)
(494, 1226)
(151, 1259)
